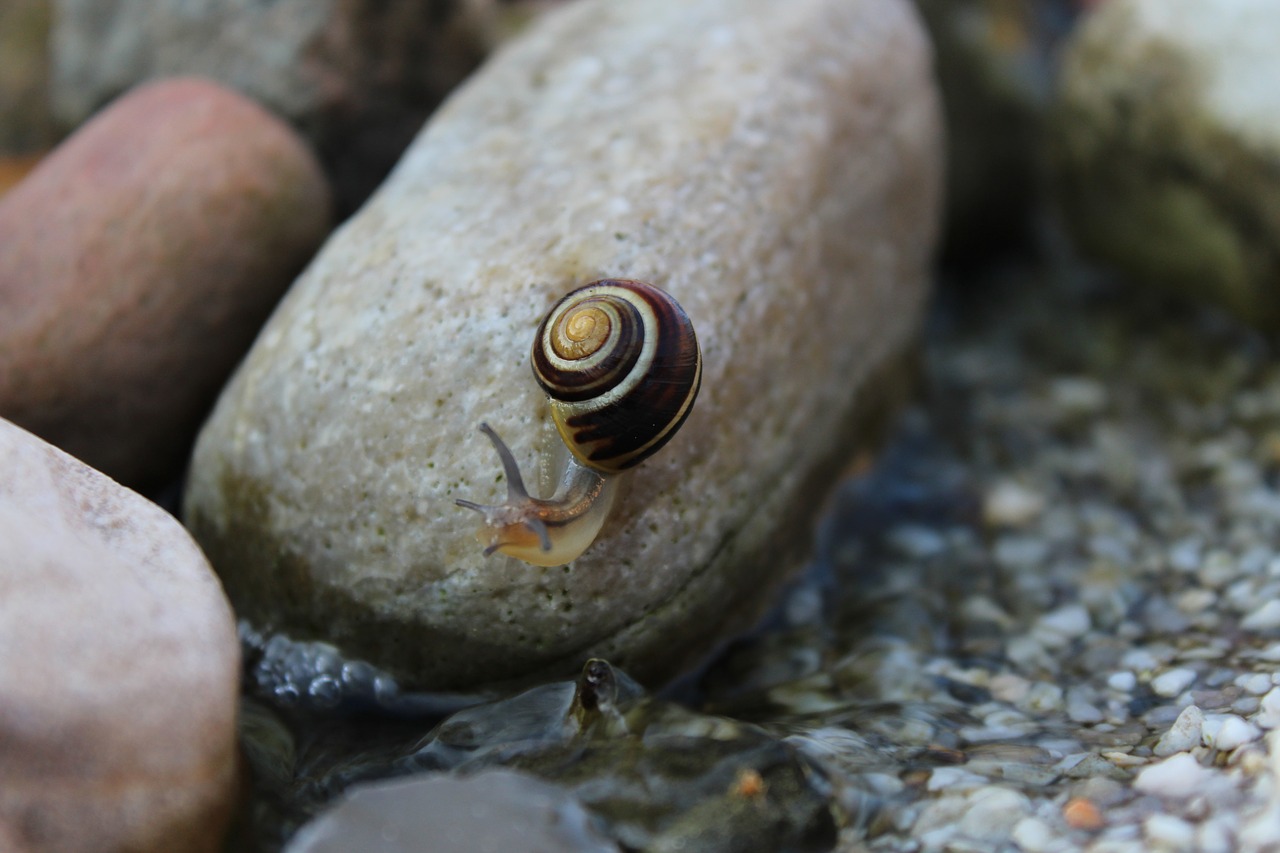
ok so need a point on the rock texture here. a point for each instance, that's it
(119, 666)
(356, 77)
(489, 810)
(26, 120)
(1167, 147)
(137, 262)
(776, 167)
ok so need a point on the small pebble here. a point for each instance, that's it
(1183, 734)
(1227, 731)
(1256, 683)
(1180, 777)
(1007, 687)
(993, 812)
(1168, 831)
(1123, 681)
(1060, 626)
(1082, 814)
(1265, 618)
(1172, 682)
(947, 778)
(1033, 835)
(1011, 504)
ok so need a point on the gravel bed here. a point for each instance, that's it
(1048, 617)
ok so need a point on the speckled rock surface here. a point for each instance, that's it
(356, 77)
(776, 167)
(119, 666)
(1167, 146)
(137, 262)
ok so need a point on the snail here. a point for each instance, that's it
(620, 365)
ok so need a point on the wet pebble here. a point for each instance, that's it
(490, 810)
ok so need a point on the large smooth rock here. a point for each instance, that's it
(137, 262)
(356, 77)
(1166, 146)
(119, 666)
(775, 166)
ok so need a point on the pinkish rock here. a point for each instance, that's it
(118, 666)
(137, 262)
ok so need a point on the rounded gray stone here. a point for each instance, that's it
(776, 167)
(1165, 145)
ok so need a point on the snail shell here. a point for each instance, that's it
(620, 363)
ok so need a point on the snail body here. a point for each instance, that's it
(620, 364)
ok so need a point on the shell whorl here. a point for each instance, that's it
(620, 362)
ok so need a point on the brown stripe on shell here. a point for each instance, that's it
(633, 427)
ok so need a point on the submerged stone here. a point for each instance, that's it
(775, 167)
(654, 776)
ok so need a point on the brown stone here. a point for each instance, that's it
(137, 262)
(118, 666)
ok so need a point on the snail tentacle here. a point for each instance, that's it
(544, 532)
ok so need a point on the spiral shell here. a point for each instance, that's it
(621, 364)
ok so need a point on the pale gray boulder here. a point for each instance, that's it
(1166, 147)
(776, 167)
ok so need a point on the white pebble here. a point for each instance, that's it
(1227, 731)
(1123, 681)
(1011, 504)
(1007, 687)
(953, 777)
(1179, 776)
(1195, 600)
(1265, 618)
(1218, 568)
(1183, 735)
(1271, 701)
(1256, 683)
(1032, 835)
(993, 812)
(1172, 682)
(1057, 627)
(1165, 830)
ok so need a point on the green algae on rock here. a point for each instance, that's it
(1166, 147)
(775, 167)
